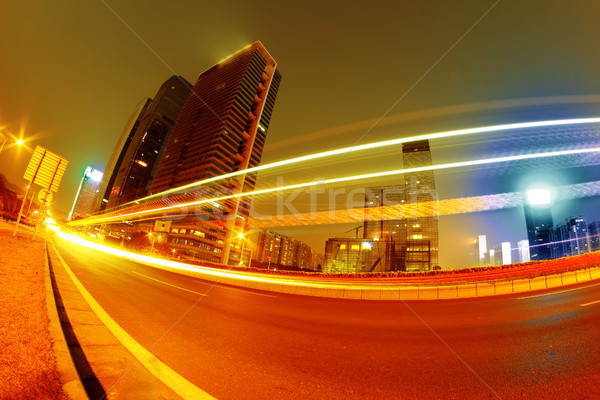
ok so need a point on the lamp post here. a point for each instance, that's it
(242, 242)
(152, 242)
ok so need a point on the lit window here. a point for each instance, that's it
(342, 247)
(355, 247)
(417, 236)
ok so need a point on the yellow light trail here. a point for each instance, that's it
(369, 146)
(121, 217)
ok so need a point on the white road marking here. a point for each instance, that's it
(160, 370)
(236, 290)
(168, 284)
(560, 291)
(589, 304)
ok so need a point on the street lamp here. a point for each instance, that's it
(19, 142)
(242, 242)
(152, 242)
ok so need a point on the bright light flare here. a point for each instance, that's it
(538, 197)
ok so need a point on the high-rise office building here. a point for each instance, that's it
(142, 143)
(274, 250)
(579, 239)
(221, 129)
(594, 234)
(413, 241)
(118, 154)
(86, 194)
(538, 218)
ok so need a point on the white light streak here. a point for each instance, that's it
(384, 143)
(340, 180)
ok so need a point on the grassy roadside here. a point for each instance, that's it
(27, 363)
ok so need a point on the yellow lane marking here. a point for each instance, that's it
(235, 290)
(168, 284)
(589, 304)
(560, 291)
(160, 370)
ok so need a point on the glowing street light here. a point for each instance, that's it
(18, 141)
(538, 197)
(242, 243)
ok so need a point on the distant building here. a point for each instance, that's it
(138, 157)
(221, 129)
(594, 235)
(523, 246)
(350, 256)
(86, 194)
(578, 235)
(506, 253)
(274, 250)
(560, 245)
(570, 238)
(413, 240)
(480, 251)
(538, 218)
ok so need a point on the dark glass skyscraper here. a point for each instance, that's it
(538, 218)
(137, 160)
(221, 129)
(413, 240)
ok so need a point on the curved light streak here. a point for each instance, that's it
(368, 146)
(493, 160)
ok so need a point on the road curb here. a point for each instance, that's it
(380, 291)
(68, 375)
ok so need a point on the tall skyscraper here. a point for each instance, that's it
(84, 199)
(221, 129)
(538, 218)
(141, 145)
(413, 241)
(523, 246)
(118, 154)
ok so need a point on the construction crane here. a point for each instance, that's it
(355, 229)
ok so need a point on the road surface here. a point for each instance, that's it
(237, 343)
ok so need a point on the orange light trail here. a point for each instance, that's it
(189, 205)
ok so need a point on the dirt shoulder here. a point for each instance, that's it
(27, 362)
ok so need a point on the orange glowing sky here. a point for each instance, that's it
(72, 73)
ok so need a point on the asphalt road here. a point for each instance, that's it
(238, 343)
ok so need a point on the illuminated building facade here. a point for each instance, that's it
(413, 240)
(221, 129)
(594, 234)
(570, 238)
(480, 251)
(275, 250)
(86, 194)
(350, 256)
(523, 246)
(135, 166)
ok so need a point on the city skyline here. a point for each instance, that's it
(64, 113)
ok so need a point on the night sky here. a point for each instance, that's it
(71, 73)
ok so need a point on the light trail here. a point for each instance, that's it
(182, 206)
(369, 146)
(462, 205)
